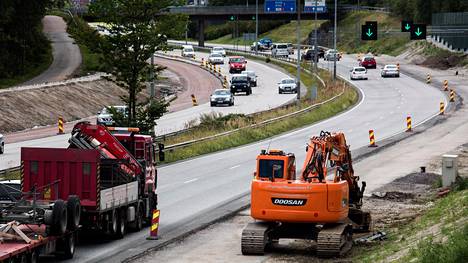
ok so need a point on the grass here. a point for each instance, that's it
(285, 33)
(390, 40)
(31, 70)
(439, 235)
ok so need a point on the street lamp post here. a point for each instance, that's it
(334, 44)
(298, 85)
(256, 27)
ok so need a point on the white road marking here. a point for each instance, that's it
(191, 181)
(234, 167)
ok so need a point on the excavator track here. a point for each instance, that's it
(334, 240)
(254, 239)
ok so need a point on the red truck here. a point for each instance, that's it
(107, 175)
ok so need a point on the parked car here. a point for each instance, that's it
(368, 62)
(237, 64)
(390, 71)
(358, 73)
(290, 48)
(188, 51)
(105, 117)
(240, 83)
(280, 50)
(221, 96)
(216, 58)
(252, 77)
(287, 85)
(331, 55)
(219, 50)
(2, 144)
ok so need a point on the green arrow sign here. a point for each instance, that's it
(407, 27)
(418, 33)
(369, 33)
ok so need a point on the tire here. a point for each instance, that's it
(122, 223)
(59, 218)
(68, 246)
(113, 224)
(250, 91)
(2, 148)
(212, 104)
(255, 84)
(74, 212)
(138, 225)
(279, 91)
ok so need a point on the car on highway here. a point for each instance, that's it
(331, 55)
(309, 54)
(105, 116)
(266, 42)
(368, 62)
(290, 48)
(218, 50)
(280, 50)
(221, 97)
(237, 64)
(2, 144)
(358, 73)
(240, 83)
(216, 58)
(252, 77)
(287, 85)
(188, 51)
(390, 71)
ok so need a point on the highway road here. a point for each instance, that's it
(67, 56)
(264, 97)
(192, 190)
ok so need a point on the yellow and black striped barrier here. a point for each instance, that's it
(441, 108)
(428, 78)
(60, 126)
(154, 226)
(194, 100)
(452, 95)
(372, 139)
(445, 85)
(408, 124)
(202, 62)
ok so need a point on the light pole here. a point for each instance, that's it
(315, 36)
(334, 44)
(256, 27)
(298, 85)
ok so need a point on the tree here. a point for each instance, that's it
(423, 11)
(136, 31)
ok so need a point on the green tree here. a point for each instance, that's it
(423, 11)
(136, 30)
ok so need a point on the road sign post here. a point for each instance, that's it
(280, 6)
(418, 31)
(369, 31)
(310, 6)
(406, 26)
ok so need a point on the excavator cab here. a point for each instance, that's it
(275, 165)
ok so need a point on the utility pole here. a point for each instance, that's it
(298, 87)
(315, 36)
(256, 27)
(334, 43)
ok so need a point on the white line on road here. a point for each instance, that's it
(191, 181)
(234, 167)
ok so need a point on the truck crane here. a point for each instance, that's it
(309, 205)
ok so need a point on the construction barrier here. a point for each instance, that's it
(408, 124)
(60, 126)
(225, 83)
(442, 108)
(372, 139)
(194, 100)
(219, 71)
(154, 226)
(445, 85)
(452, 95)
(202, 62)
(398, 66)
(428, 78)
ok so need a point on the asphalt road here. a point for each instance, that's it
(190, 191)
(67, 56)
(264, 97)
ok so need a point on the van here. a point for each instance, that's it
(280, 50)
(188, 51)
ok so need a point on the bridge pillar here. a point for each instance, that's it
(201, 32)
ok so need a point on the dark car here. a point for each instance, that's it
(240, 83)
(310, 53)
(368, 62)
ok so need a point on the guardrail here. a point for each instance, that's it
(9, 170)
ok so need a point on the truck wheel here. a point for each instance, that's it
(113, 223)
(137, 225)
(68, 246)
(74, 212)
(122, 223)
(59, 218)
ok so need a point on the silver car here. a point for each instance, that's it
(252, 77)
(287, 85)
(2, 144)
(105, 117)
(390, 71)
(220, 97)
(331, 55)
(216, 58)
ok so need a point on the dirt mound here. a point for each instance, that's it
(419, 178)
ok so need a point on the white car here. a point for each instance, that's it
(358, 73)
(219, 50)
(2, 144)
(287, 85)
(105, 117)
(188, 51)
(390, 71)
(331, 55)
(216, 58)
(280, 50)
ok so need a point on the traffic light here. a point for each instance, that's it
(232, 18)
(418, 31)
(369, 31)
(406, 26)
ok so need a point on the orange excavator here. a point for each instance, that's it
(309, 206)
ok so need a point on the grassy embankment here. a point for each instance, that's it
(390, 40)
(438, 235)
(285, 33)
